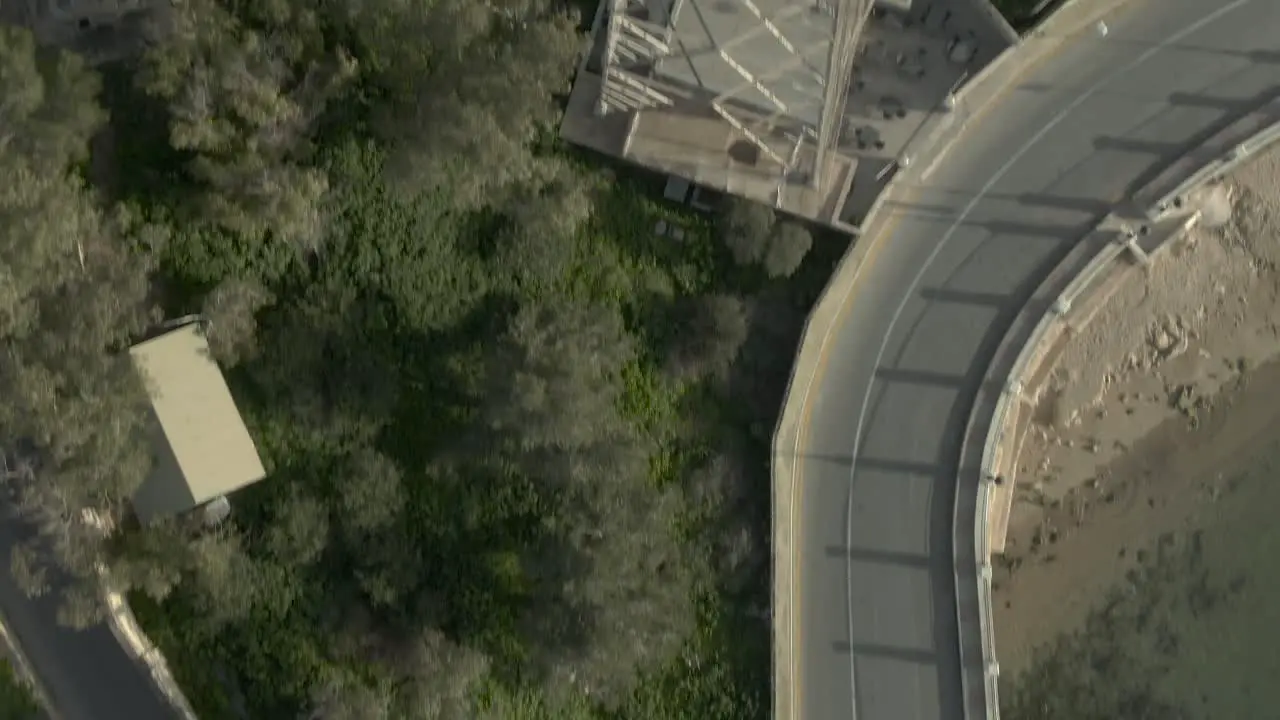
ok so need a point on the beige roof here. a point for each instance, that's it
(203, 449)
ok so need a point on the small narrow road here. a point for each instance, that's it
(87, 674)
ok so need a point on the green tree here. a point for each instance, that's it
(29, 571)
(72, 297)
(50, 108)
(745, 226)
(371, 492)
(17, 701)
(299, 531)
(470, 86)
(789, 243)
(707, 343)
(479, 502)
(439, 678)
(538, 245)
(554, 382)
(245, 105)
(229, 311)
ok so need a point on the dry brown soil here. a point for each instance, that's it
(1150, 414)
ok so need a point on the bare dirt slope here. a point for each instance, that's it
(1132, 431)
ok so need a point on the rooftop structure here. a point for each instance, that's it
(732, 94)
(202, 449)
(787, 102)
(88, 12)
(98, 30)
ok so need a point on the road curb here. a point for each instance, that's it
(124, 626)
(23, 670)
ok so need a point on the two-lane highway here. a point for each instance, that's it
(876, 476)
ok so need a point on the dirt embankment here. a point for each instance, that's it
(1149, 413)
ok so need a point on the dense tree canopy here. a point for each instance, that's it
(788, 245)
(755, 236)
(745, 227)
(516, 465)
(71, 296)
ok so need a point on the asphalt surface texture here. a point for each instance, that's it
(877, 631)
(86, 674)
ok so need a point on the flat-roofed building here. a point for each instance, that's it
(202, 450)
(741, 96)
(810, 106)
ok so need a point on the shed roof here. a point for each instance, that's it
(203, 449)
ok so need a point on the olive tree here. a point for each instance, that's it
(711, 330)
(745, 228)
(789, 243)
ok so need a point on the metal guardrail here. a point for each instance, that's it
(998, 433)
(1060, 24)
(1000, 428)
(1216, 169)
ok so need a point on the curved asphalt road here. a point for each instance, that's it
(87, 674)
(875, 589)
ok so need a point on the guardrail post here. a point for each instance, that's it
(1129, 238)
(1136, 250)
(1170, 204)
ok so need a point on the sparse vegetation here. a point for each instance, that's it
(16, 699)
(1115, 665)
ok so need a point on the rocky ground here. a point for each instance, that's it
(1152, 414)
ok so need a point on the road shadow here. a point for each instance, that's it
(878, 465)
(965, 297)
(904, 467)
(1104, 143)
(1047, 201)
(911, 655)
(1210, 102)
(920, 377)
(881, 557)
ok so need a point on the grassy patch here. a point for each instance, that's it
(17, 702)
